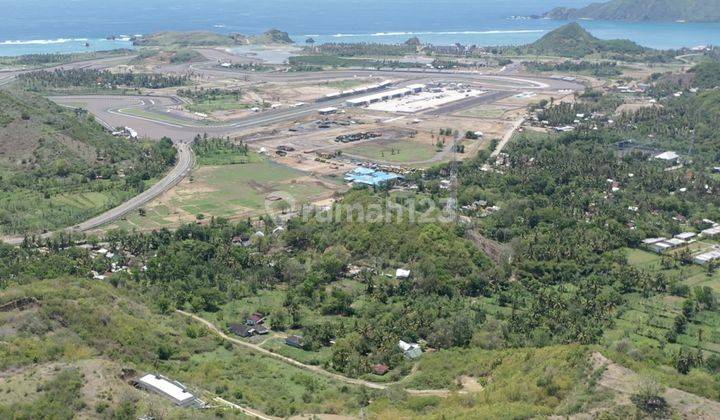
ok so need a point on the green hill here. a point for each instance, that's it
(59, 166)
(572, 40)
(273, 36)
(644, 10)
(209, 39)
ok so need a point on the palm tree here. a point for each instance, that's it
(311, 43)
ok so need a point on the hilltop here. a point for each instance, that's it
(59, 166)
(209, 39)
(644, 10)
(572, 40)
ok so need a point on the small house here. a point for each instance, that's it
(402, 274)
(240, 240)
(668, 156)
(261, 330)
(255, 319)
(707, 258)
(685, 236)
(295, 341)
(410, 350)
(380, 369)
(244, 331)
(712, 232)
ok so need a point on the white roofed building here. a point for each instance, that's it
(173, 390)
(707, 258)
(410, 350)
(712, 232)
(668, 156)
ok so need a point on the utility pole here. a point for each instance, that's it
(453, 204)
(692, 143)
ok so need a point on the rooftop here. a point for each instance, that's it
(367, 176)
(667, 156)
(174, 390)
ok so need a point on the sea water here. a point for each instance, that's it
(41, 26)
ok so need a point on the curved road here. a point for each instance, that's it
(108, 109)
(183, 166)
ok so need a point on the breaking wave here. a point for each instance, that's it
(492, 32)
(44, 41)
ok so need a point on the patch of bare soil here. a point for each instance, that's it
(470, 384)
(626, 383)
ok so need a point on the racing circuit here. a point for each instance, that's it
(149, 115)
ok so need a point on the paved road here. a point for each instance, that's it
(488, 98)
(113, 109)
(185, 163)
(514, 81)
(108, 111)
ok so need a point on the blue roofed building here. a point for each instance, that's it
(366, 176)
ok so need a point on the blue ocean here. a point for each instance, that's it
(41, 26)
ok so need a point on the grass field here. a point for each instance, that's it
(483, 111)
(277, 345)
(397, 151)
(230, 191)
(219, 103)
(226, 157)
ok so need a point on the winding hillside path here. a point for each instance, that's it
(311, 368)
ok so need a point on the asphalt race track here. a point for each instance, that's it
(156, 122)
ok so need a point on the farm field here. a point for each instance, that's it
(648, 322)
(395, 151)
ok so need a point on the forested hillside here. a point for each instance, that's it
(644, 10)
(572, 40)
(59, 166)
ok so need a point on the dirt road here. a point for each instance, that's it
(311, 368)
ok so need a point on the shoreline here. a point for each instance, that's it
(517, 32)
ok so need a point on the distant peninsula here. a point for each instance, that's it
(643, 11)
(573, 41)
(203, 38)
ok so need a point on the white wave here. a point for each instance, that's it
(491, 32)
(218, 26)
(44, 41)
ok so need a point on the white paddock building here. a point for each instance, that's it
(386, 96)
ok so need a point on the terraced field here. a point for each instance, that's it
(646, 320)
